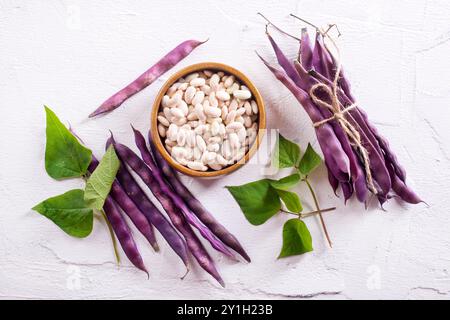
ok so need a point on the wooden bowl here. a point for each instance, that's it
(184, 72)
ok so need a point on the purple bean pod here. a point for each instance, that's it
(180, 223)
(375, 135)
(123, 233)
(347, 190)
(152, 213)
(379, 172)
(335, 157)
(161, 191)
(283, 61)
(400, 188)
(300, 77)
(334, 183)
(197, 208)
(305, 52)
(148, 77)
(357, 173)
(322, 63)
(130, 209)
(316, 56)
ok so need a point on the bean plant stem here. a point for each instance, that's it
(313, 194)
(113, 238)
(308, 214)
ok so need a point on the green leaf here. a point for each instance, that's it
(65, 157)
(69, 212)
(310, 161)
(286, 154)
(258, 200)
(291, 200)
(287, 182)
(296, 238)
(99, 183)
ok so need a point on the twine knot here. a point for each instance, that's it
(339, 114)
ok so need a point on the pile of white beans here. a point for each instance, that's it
(208, 120)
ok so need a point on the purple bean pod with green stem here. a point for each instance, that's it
(131, 210)
(162, 169)
(300, 77)
(162, 189)
(335, 158)
(123, 233)
(180, 223)
(154, 216)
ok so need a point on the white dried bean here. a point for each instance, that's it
(231, 116)
(212, 100)
(221, 160)
(242, 94)
(248, 108)
(189, 94)
(240, 119)
(172, 132)
(240, 112)
(183, 107)
(200, 143)
(242, 134)
(191, 77)
(180, 121)
(192, 116)
(226, 150)
(224, 112)
(163, 121)
(200, 129)
(222, 95)
(206, 89)
(213, 147)
(167, 113)
(198, 166)
(233, 88)
(229, 82)
(199, 111)
(190, 139)
(234, 141)
(215, 126)
(215, 79)
(198, 97)
(181, 138)
(234, 126)
(222, 130)
(177, 113)
(178, 152)
(197, 153)
(213, 112)
(165, 101)
(170, 143)
(161, 130)
(210, 156)
(233, 105)
(214, 140)
(247, 121)
(254, 107)
(215, 166)
(197, 82)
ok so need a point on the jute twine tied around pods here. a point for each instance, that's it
(339, 114)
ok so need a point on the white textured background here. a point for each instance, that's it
(72, 55)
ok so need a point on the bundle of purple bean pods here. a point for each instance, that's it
(359, 159)
(182, 208)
